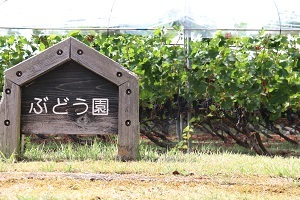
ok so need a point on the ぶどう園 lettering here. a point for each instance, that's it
(99, 106)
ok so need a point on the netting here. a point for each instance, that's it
(134, 15)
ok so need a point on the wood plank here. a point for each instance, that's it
(12, 115)
(129, 132)
(2, 137)
(40, 64)
(65, 80)
(69, 82)
(99, 63)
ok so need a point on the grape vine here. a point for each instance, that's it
(245, 87)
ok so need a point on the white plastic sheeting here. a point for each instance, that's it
(141, 14)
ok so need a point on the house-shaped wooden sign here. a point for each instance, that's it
(70, 89)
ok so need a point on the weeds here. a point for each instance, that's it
(70, 151)
(100, 157)
(10, 160)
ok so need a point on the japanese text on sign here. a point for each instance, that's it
(99, 106)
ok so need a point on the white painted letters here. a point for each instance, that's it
(99, 106)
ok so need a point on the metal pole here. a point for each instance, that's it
(187, 39)
(179, 126)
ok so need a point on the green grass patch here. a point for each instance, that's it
(54, 151)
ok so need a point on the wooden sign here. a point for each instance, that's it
(71, 100)
(70, 89)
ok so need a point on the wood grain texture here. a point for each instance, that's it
(64, 78)
(129, 134)
(70, 80)
(99, 63)
(12, 113)
(39, 64)
(2, 138)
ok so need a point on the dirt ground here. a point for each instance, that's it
(52, 185)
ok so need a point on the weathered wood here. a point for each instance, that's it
(2, 138)
(11, 119)
(69, 81)
(59, 87)
(40, 64)
(129, 134)
(99, 63)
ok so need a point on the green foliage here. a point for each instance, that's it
(13, 50)
(247, 72)
(183, 145)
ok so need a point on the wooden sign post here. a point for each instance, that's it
(70, 89)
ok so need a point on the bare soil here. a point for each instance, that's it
(53, 185)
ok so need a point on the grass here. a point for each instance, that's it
(70, 151)
(222, 164)
(101, 157)
(210, 172)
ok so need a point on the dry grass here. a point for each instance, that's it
(129, 186)
(218, 176)
(227, 164)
